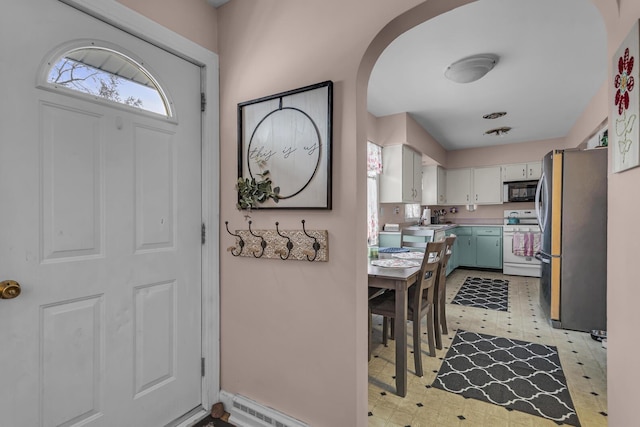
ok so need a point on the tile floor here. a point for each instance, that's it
(583, 360)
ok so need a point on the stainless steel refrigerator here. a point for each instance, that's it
(571, 203)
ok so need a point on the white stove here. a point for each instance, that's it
(521, 238)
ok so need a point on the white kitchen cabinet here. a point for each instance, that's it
(433, 185)
(459, 186)
(401, 179)
(482, 186)
(522, 171)
(487, 185)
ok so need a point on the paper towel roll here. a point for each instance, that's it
(426, 216)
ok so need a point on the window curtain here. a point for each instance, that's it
(374, 169)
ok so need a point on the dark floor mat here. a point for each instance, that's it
(516, 374)
(212, 422)
(491, 294)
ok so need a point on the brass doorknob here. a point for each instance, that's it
(9, 289)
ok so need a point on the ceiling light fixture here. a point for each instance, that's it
(502, 131)
(495, 115)
(471, 68)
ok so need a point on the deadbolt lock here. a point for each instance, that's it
(9, 289)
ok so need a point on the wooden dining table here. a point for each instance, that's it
(400, 280)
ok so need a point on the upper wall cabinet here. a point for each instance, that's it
(459, 187)
(482, 186)
(522, 171)
(433, 185)
(401, 179)
(487, 185)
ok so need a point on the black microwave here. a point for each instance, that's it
(520, 191)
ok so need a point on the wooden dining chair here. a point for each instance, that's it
(416, 239)
(440, 315)
(420, 304)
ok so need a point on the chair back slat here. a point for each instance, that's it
(424, 289)
(419, 232)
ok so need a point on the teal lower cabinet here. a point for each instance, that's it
(489, 247)
(389, 239)
(466, 246)
(478, 246)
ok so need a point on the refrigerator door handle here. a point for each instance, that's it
(538, 202)
(539, 257)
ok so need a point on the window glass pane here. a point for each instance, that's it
(108, 75)
(374, 159)
(411, 211)
(372, 210)
(374, 168)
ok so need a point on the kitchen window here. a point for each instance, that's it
(411, 212)
(374, 169)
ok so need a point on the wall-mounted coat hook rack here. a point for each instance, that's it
(315, 245)
(284, 254)
(263, 243)
(299, 245)
(235, 250)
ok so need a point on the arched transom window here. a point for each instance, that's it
(108, 75)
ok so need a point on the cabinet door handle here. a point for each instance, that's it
(497, 242)
(524, 172)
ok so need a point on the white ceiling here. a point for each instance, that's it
(552, 61)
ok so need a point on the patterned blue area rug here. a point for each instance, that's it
(515, 374)
(492, 294)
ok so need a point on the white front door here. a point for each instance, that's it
(100, 216)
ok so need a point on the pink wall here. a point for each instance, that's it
(193, 19)
(401, 128)
(623, 248)
(293, 333)
(425, 143)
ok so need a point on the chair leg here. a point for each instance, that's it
(436, 313)
(417, 347)
(370, 332)
(385, 330)
(430, 333)
(442, 310)
(393, 329)
(436, 318)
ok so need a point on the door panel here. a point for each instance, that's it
(79, 325)
(71, 176)
(102, 233)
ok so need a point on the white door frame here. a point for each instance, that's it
(134, 23)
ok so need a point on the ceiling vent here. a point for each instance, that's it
(495, 115)
(502, 131)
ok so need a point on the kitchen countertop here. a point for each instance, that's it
(437, 227)
(440, 227)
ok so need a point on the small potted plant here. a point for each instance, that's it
(252, 191)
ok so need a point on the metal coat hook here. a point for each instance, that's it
(263, 243)
(240, 243)
(289, 244)
(316, 245)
